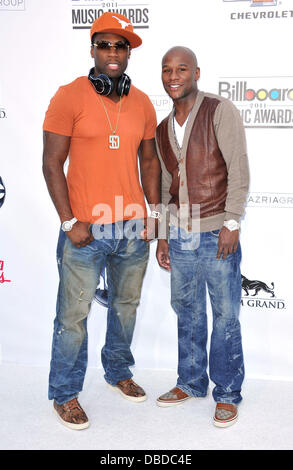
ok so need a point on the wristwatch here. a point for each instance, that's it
(156, 215)
(68, 224)
(231, 225)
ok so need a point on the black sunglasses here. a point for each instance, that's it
(106, 45)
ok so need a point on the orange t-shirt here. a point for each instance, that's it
(103, 183)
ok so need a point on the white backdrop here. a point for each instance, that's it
(241, 48)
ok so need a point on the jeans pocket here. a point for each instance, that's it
(215, 233)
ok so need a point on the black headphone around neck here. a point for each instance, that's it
(104, 85)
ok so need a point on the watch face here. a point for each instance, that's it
(67, 225)
(232, 225)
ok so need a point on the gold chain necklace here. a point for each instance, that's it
(114, 140)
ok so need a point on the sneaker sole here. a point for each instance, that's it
(225, 424)
(76, 427)
(127, 397)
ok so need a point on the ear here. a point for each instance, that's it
(129, 53)
(92, 51)
(197, 74)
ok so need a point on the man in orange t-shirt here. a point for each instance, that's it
(102, 123)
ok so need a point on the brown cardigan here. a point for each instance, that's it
(212, 163)
(205, 167)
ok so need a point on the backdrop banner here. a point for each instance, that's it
(240, 46)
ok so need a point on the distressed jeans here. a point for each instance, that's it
(195, 270)
(79, 271)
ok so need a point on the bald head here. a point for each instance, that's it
(180, 74)
(184, 52)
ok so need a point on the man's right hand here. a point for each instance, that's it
(163, 254)
(80, 234)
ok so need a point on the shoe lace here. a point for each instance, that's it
(130, 386)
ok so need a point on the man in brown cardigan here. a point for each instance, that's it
(202, 150)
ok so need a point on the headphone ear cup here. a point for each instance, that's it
(102, 83)
(123, 85)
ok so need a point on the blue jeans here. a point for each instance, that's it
(194, 267)
(79, 271)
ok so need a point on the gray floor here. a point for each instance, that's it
(28, 423)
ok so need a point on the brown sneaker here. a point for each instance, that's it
(71, 414)
(129, 390)
(172, 398)
(225, 415)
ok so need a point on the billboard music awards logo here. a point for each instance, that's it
(264, 9)
(262, 101)
(12, 5)
(260, 294)
(85, 12)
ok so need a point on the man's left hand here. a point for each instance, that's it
(228, 242)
